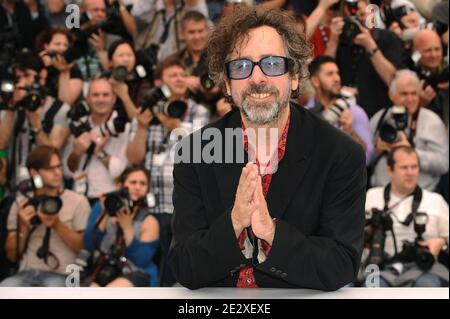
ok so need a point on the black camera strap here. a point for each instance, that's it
(417, 198)
(47, 122)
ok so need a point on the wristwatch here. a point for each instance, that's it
(372, 52)
(36, 130)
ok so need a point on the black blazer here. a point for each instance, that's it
(317, 195)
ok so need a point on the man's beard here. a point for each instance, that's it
(263, 113)
(330, 93)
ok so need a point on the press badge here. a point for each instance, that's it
(158, 159)
(81, 184)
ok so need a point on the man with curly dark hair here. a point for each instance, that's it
(291, 217)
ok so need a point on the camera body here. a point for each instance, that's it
(114, 201)
(412, 251)
(392, 15)
(392, 125)
(157, 101)
(350, 30)
(333, 114)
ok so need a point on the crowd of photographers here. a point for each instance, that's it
(86, 116)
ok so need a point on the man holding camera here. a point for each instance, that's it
(30, 116)
(194, 32)
(96, 152)
(364, 52)
(45, 231)
(415, 126)
(417, 216)
(338, 109)
(430, 67)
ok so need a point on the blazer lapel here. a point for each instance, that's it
(294, 165)
(228, 174)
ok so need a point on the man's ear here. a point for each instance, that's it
(228, 87)
(314, 81)
(295, 83)
(158, 82)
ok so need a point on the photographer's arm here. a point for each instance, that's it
(69, 89)
(80, 146)
(128, 21)
(24, 215)
(58, 136)
(121, 90)
(6, 128)
(137, 148)
(384, 68)
(73, 239)
(313, 21)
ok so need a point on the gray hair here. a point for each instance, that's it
(405, 73)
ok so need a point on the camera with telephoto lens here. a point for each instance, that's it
(115, 201)
(113, 127)
(119, 73)
(377, 225)
(35, 97)
(157, 101)
(48, 205)
(433, 78)
(412, 251)
(393, 125)
(333, 114)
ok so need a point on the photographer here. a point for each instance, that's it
(367, 58)
(96, 151)
(129, 80)
(101, 25)
(431, 70)
(335, 107)
(133, 231)
(402, 18)
(64, 80)
(150, 131)
(194, 26)
(30, 116)
(414, 215)
(159, 23)
(409, 124)
(45, 239)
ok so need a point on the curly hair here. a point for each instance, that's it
(233, 29)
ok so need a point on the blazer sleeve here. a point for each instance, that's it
(202, 253)
(330, 258)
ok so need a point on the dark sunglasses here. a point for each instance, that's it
(240, 69)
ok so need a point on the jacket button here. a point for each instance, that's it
(279, 272)
(283, 275)
(273, 269)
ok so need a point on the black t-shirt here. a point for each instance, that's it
(53, 76)
(358, 71)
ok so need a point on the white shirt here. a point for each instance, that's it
(432, 203)
(101, 178)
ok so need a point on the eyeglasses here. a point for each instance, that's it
(240, 69)
(51, 168)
